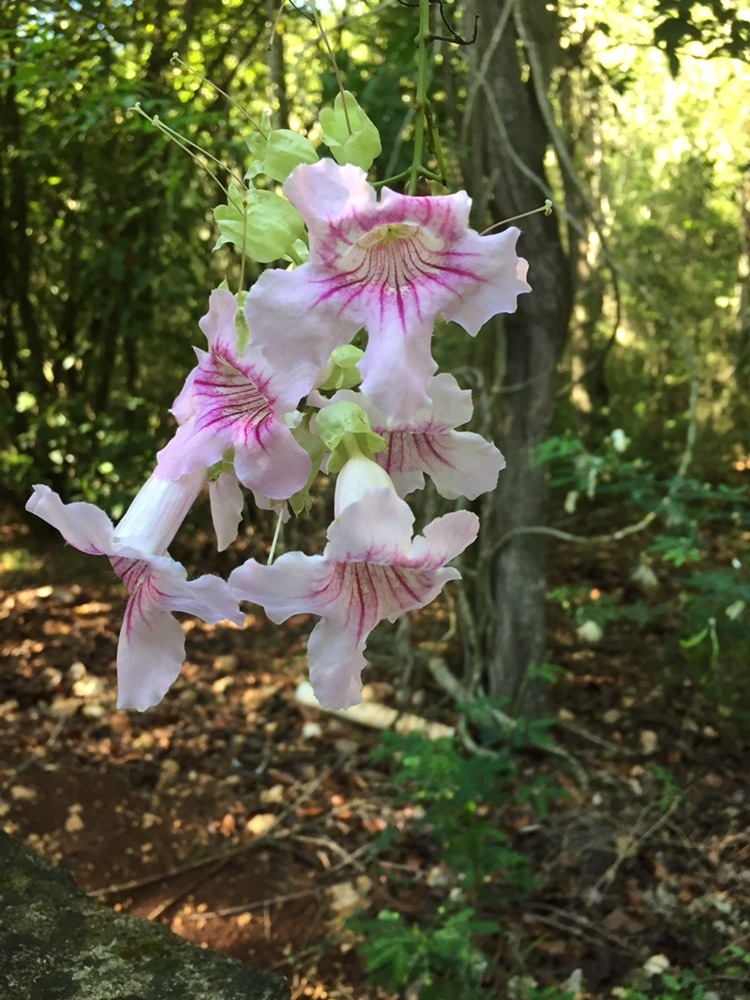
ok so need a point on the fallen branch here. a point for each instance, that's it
(376, 716)
(452, 686)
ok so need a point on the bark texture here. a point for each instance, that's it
(510, 137)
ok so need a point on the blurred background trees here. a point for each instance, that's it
(633, 120)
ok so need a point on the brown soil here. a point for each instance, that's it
(248, 824)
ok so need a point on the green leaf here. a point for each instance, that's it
(278, 153)
(362, 145)
(262, 223)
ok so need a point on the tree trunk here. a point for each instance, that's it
(509, 138)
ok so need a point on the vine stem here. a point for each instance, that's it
(337, 72)
(422, 40)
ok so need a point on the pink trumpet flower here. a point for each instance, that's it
(372, 568)
(392, 266)
(151, 647)
(236, 399)
(460, 463)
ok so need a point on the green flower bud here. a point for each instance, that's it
(341, 370)
(334, 424)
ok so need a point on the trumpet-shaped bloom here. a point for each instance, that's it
(391, 266)
(236, 399)
(372, 568)
(460, 463)
(151, 647)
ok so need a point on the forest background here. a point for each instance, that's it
(617, 392)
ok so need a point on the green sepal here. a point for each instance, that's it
(344, 371)
(362, 146)
(269, 227)
(334, 423)
(278, 152)
(242, 330)
(301, 501)
(298, 253)
(225, 464)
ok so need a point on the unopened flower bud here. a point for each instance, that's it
(359, 475)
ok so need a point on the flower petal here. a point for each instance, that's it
(391, 266)
(150, 654)
(336, 664)
(289, 316)
(227, 504)
(369, 571)
(460, 463)
(218, 324)
(157, 512)
(82, 525)
(398, 367)
(444, 539)
(288, 587)
(237, 400)
(276, 466)
(500, 279)
(335, 189)
(151, 649)
(375, 529)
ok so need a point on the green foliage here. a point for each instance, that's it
(731, 966)
(260, 223)
(106, 226)
(349, 133)
(665, 780)
(337, 423)
(689, 513)
(458, 796)
(718, 26)
(379, 80)
(438, 958)
(276, 152)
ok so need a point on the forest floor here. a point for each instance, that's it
(249, 824)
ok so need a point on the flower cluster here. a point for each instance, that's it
(280, 393)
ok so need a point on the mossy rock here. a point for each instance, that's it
(56, 943)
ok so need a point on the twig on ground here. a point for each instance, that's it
(219, 856)
(346, 857)
(593, 738)
(261, 904)
(288, 897)
(632, 844)
(582, 927)
(166, 904)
